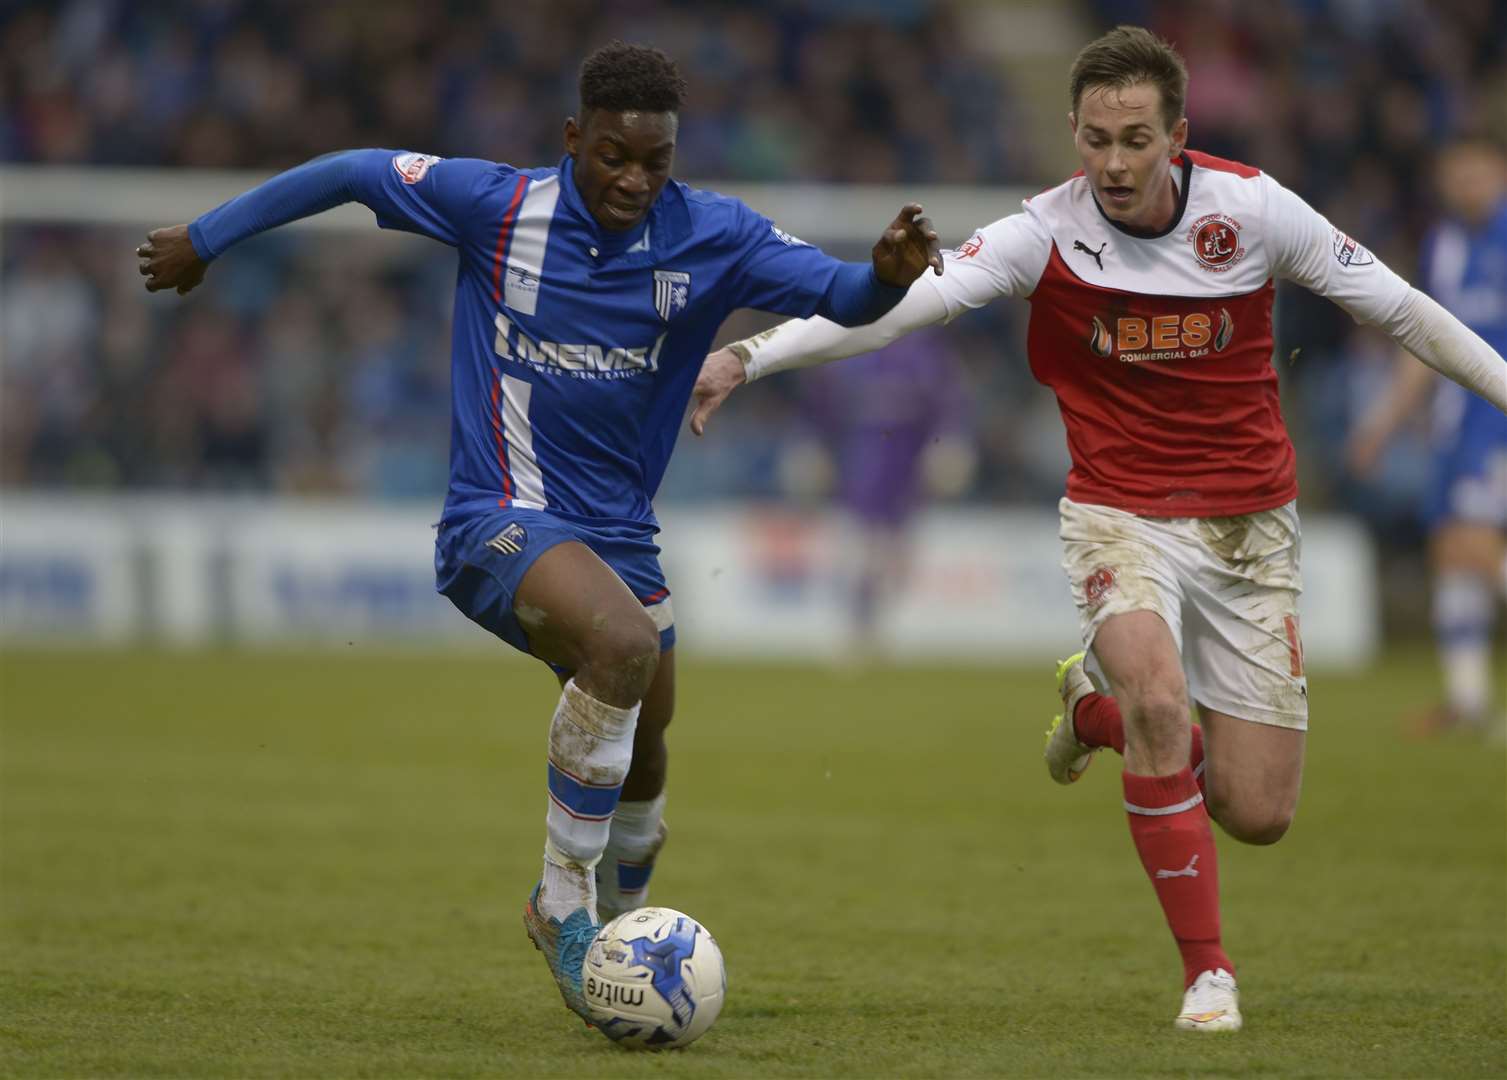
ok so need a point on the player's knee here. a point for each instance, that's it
(1260, 826)
(624, 652)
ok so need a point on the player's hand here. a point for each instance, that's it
(907, 248)
(168, 260)
(721, 374)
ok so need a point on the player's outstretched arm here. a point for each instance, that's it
(804, 343)
(1309, 250)
(1005, 258)
(1425, 329)
(405, 191)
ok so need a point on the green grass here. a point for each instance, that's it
(282, 865)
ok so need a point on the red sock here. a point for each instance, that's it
(1097, 722)
(1172, 835)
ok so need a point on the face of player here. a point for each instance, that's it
(1125, 146)
(622, 161)
(1472, 181)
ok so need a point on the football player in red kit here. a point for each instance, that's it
(1150, 276)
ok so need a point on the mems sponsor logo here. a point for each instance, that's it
(1162, 337)
(585, 360)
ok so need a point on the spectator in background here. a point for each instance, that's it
(1344, 99)
(790, 90)
(1465, 269)
(893, 427)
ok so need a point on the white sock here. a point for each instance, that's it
(1464, 610)
(630, 851)
(590, 748)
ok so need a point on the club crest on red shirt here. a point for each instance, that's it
(1216, 242)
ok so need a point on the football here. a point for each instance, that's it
(654, 979)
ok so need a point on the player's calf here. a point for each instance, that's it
(590, 747)
(638, 835)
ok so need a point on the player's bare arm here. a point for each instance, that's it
(168, 260)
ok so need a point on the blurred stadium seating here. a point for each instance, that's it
(318, 362)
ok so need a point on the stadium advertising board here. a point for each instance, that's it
(749, 581)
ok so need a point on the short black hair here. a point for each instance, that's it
(630, 78)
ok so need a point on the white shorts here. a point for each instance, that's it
(1226, 587)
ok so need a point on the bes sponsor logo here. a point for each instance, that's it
(412, 167)
(1348, 253)
(1098, 584)
(1162, 337)
(971, 247)
(611, 993)
(1216, 242)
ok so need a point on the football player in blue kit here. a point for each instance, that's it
(587, 295)
(1465, 269)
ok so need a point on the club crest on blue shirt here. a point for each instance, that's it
(510, 541)
(672, 291)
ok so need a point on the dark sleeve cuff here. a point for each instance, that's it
(201, 245)
(856, 296)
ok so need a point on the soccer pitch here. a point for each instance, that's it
(300, 865)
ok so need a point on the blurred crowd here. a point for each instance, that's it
(889, 90)
(317, 365)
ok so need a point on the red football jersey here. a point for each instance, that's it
(1159, 348)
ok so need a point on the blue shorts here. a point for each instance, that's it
(1470, 473)
(479, 562)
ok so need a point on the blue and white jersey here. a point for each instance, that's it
(575, 347)
(1466, 271)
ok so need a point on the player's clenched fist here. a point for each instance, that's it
(907, 248)
(168, 260)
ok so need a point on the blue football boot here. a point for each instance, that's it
(564, 946)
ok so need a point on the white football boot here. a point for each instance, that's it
(1066, 757)
(1212, 1003)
